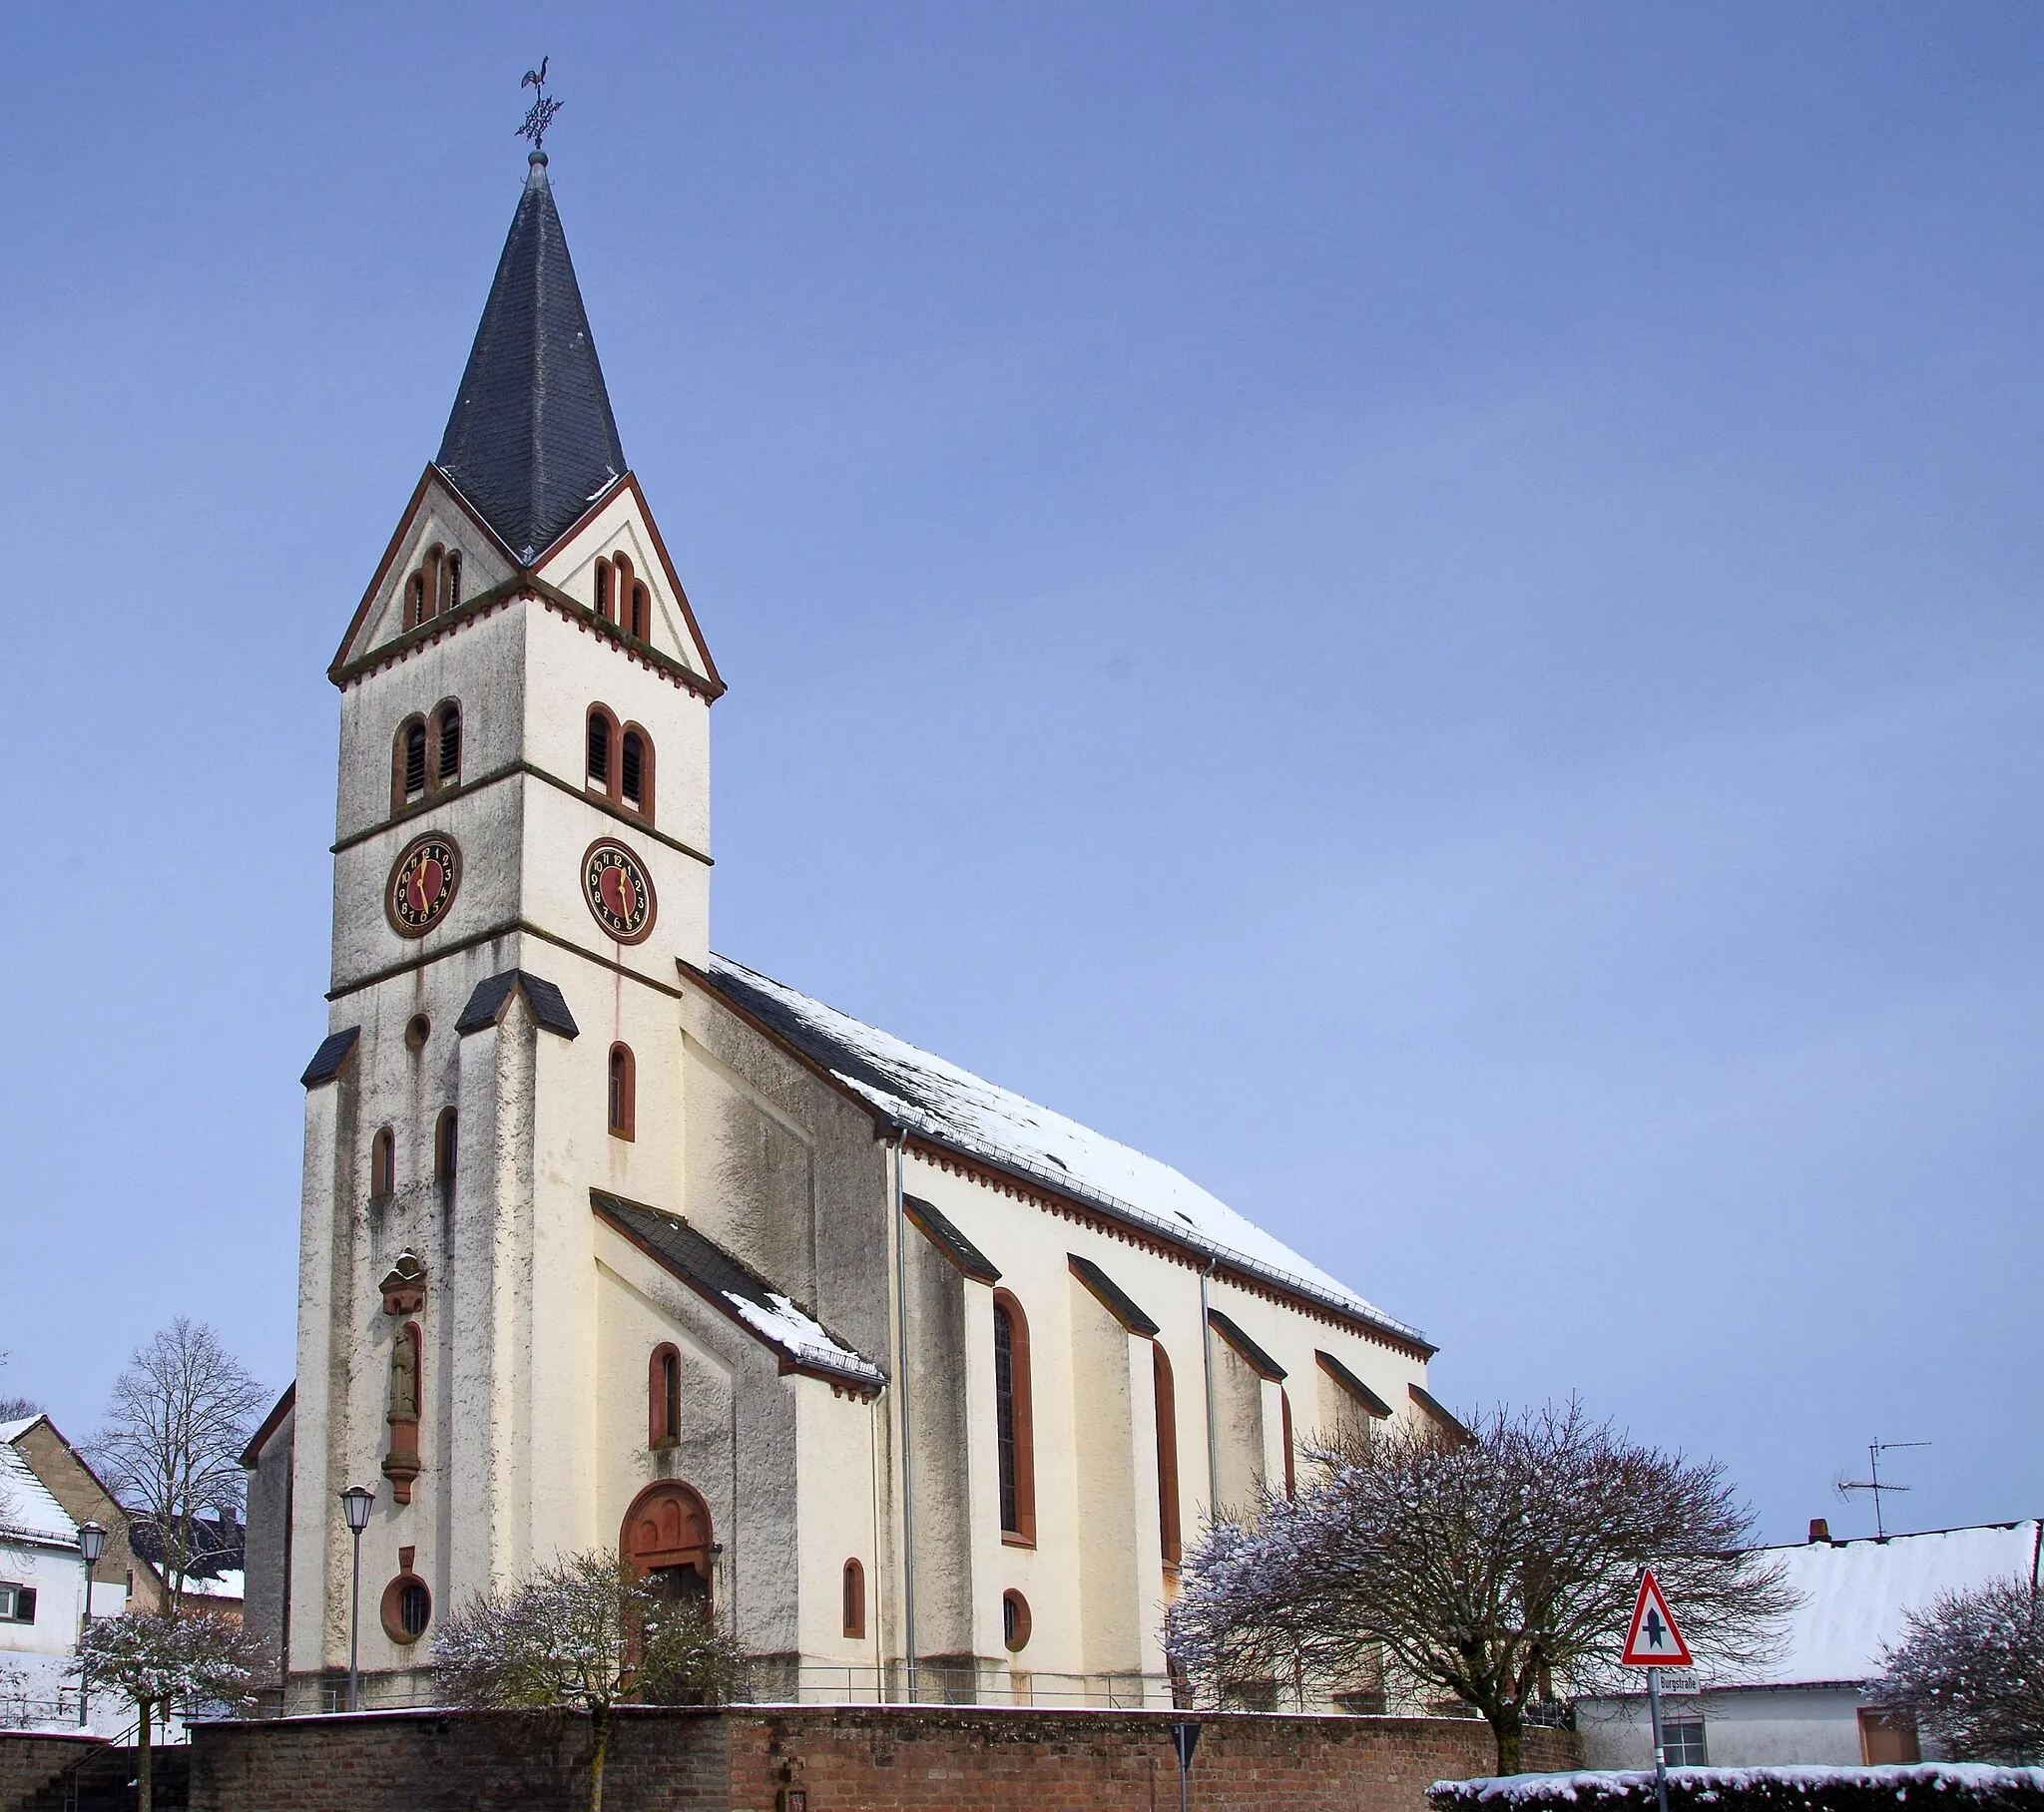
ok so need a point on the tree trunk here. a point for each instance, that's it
(141, 1795)
(1508, 1727)
(599, 1742)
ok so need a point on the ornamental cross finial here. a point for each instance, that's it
(542, 112)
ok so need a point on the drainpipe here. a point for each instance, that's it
(901, 1388)
(1213, 1428)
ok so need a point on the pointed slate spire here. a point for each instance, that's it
(532, 439)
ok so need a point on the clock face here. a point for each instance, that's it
(615, 884)
(422, 884)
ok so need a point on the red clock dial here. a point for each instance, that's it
(617, 891)
(422, 884)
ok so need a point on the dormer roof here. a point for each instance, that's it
(531, 442)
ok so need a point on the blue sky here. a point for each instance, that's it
(1430, 612)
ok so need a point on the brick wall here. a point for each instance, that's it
(840, 1759)
(27, 1763)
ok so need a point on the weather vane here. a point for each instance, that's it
(542, 114)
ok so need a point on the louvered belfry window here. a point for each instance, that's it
(598, 750)
(632, 766)
(414, 761)
(450, 743)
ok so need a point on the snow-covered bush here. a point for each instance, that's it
(1922, 1787)
(1970, 1666)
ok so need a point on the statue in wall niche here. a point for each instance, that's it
(401, 1462)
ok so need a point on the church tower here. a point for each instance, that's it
(521, 856)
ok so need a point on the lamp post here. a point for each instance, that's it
(355, 1503)
(91, 1543)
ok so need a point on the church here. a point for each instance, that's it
(609, 1243)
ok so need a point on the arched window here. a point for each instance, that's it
(447, 740)
(408, 763)
(383, 1163)
(450, 582)
(623, 1085)
(640, 617)
(445, 1146)
(1167, 1457)
(415, 600)
(605, 580)
(854, 1599)
(1284, 1428)
(622, 587)
(603, 731)
(663, 1397)
(429, 580)
(1014, 1438)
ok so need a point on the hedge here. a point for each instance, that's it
(1924, 1787)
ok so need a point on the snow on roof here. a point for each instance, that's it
(1856, 1594)
(26, 1507)
(781, 1322)
(227, 1584)
(954, 1107)
(13, 1431)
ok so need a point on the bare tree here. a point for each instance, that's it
(583, 1635)
(171, 1446)
(13, 1408)
(1496, 1568)
(1970, 1667)
(165, 1662)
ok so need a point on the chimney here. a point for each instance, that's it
(1819, 1528)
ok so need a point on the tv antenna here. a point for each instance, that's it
(542, 114)
(1874, 1484)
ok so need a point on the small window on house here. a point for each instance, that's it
(407, 1606)
(642, 611)
(451, 587)
(631, 768)
(854, 1599)
(623, 1086)
(663, 1397)
(604, 593)
(444, 1148)
(383, 1163)
(1685, 1743)
(17, 1603)
(1014, 1620)
(602, 727)
(1014, 1444)
(448, 737)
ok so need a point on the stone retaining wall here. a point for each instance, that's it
(840, 1759)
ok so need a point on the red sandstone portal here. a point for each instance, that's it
(667, 1538)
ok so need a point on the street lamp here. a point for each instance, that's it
(91, 1543)
(355, 1503)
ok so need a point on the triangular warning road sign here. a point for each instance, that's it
(1653, 1640)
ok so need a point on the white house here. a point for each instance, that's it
(1807, 1704)
(42, 1590)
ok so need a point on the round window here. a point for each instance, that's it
(1014, 1620)
(420, 1029)
(407, 1607)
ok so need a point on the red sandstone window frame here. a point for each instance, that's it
(623, 1079)
(603, 760)
(1016, 1623)
(664, 1396)
(606, 591)
(402, 792)
(1284, 1428)
(1015, 1425)
(639, 620)
(643, 803)
(443, 746)
(382, 1164)
(854, 1600)
(1170, 1534)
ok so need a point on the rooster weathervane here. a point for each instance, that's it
(542, 112)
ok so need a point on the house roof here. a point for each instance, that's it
(26, 1507)
(531, 442)
(1856, 1595)
(953, 1108)
(804, 1343)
